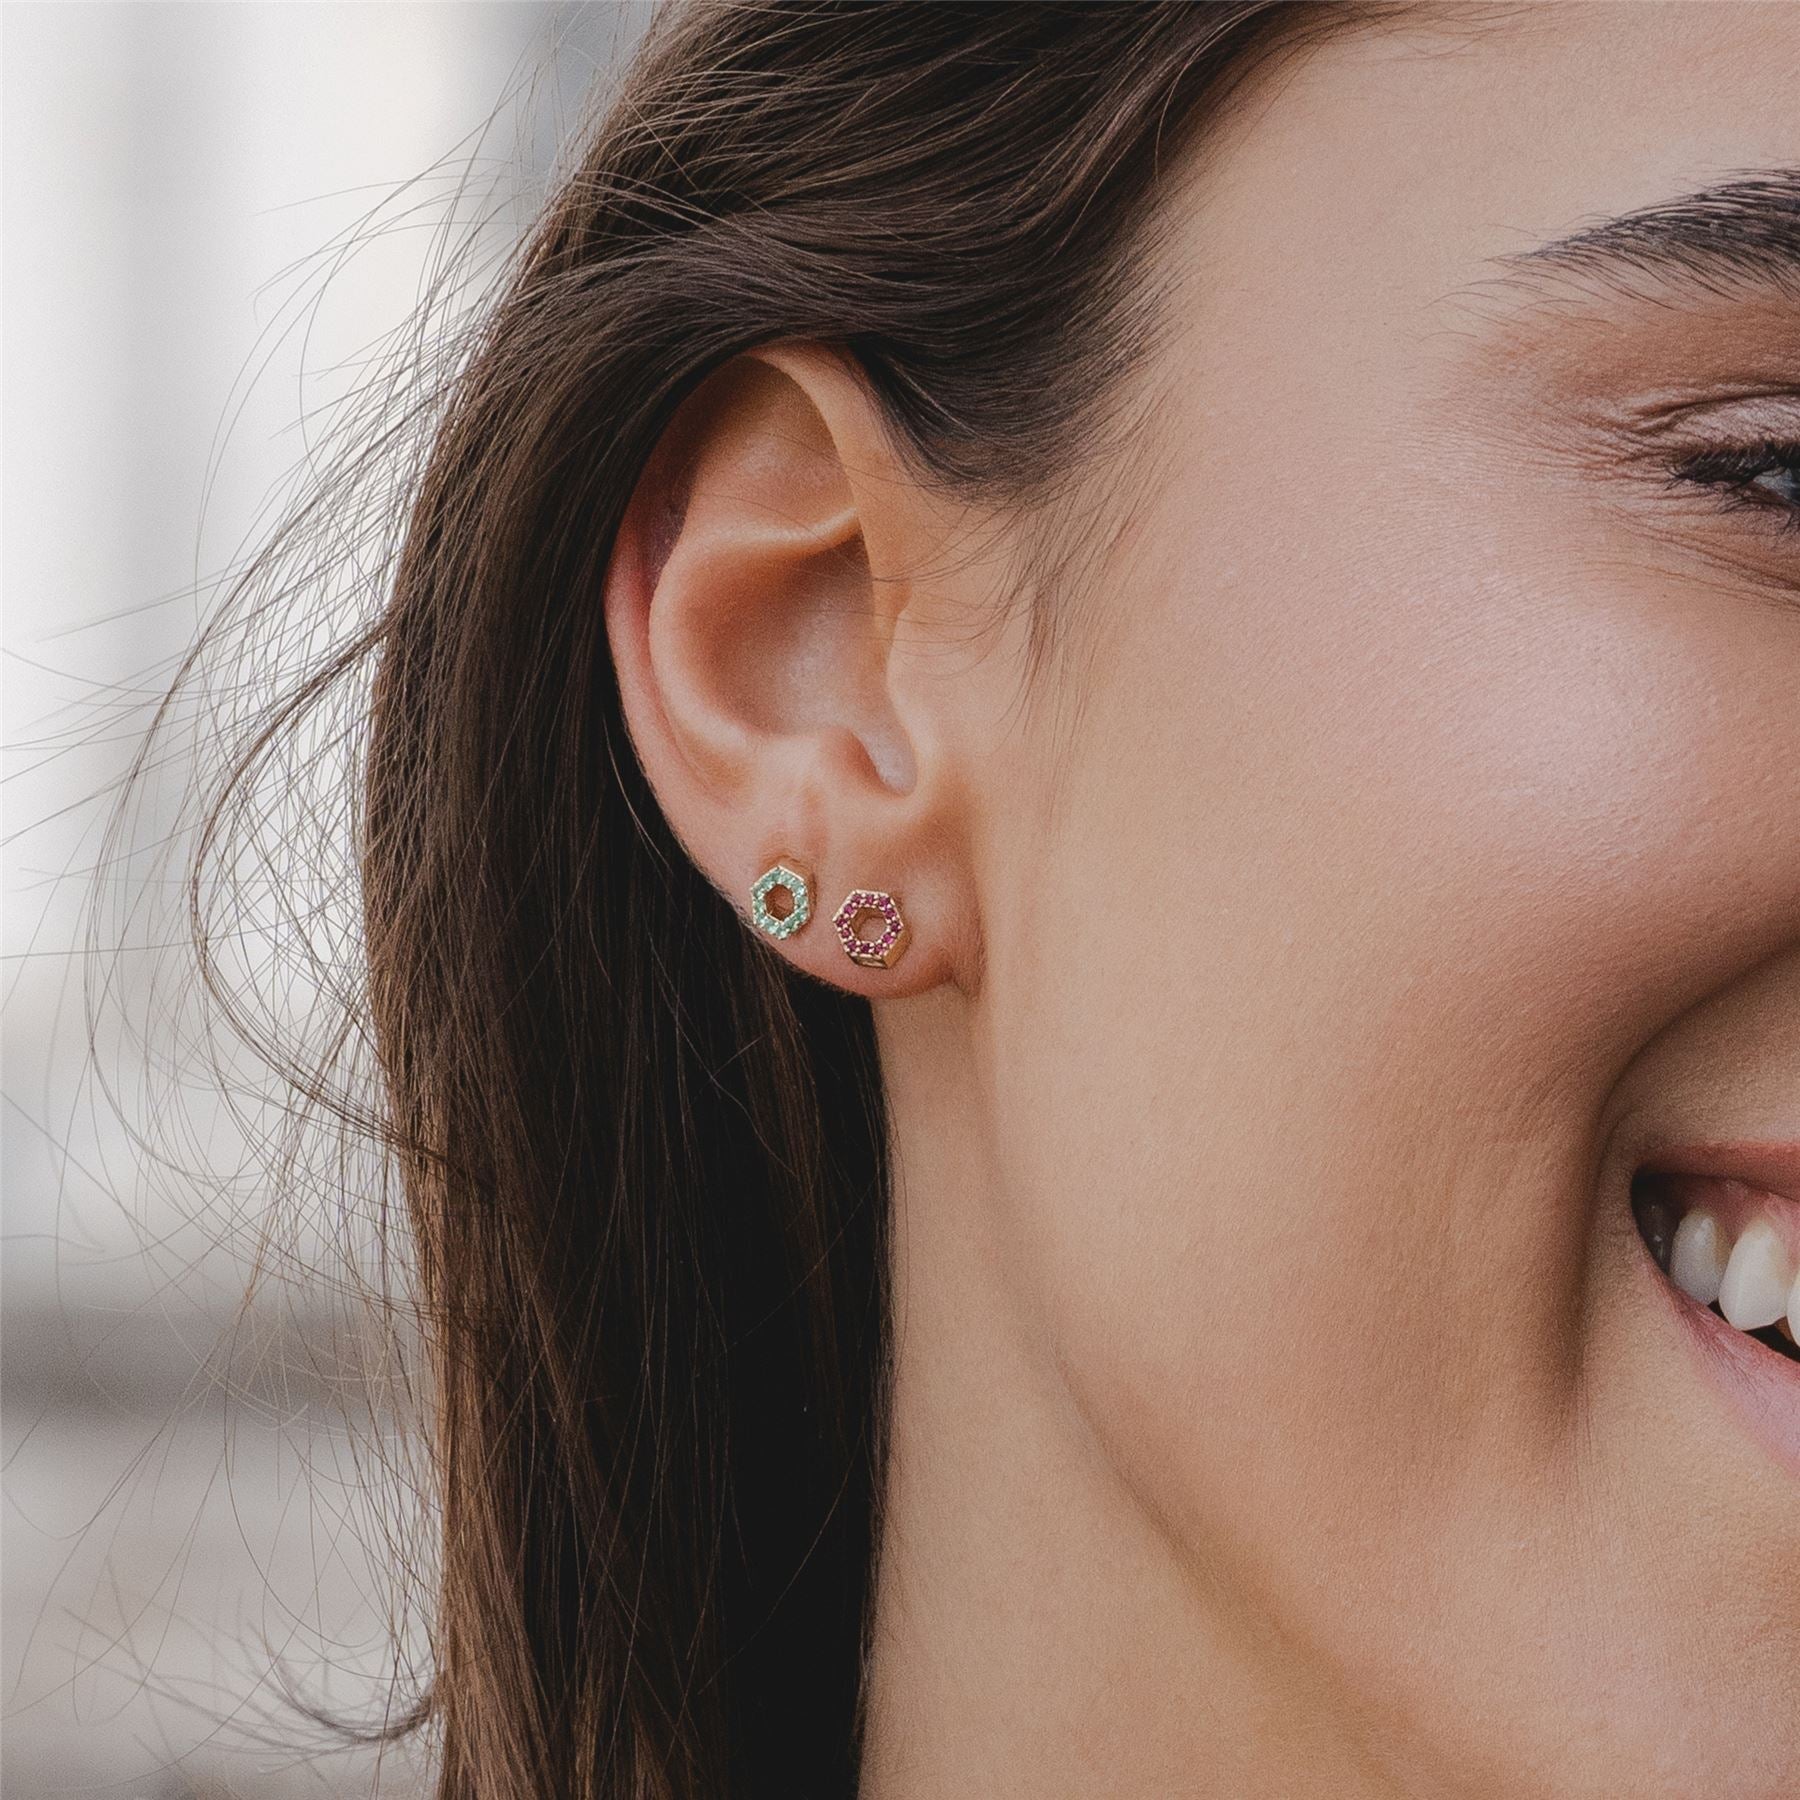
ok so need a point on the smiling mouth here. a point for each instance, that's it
(1728, 1243)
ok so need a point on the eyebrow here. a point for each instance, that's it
(1742, 233)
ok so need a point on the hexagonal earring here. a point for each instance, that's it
(789, 885)
(879, 949)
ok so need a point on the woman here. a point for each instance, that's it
(1084, 914)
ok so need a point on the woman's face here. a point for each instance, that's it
(1420, 865)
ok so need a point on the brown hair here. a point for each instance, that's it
(646, 1162)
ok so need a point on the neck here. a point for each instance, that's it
(1037, 1631)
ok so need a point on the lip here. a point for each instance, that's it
(1762, 1388)
(1775, 1168)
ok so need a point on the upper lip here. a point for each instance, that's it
(1772, 1167)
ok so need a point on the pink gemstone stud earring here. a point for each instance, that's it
(870, 928)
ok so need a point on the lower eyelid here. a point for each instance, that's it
(1767, 516)
(1731, 478)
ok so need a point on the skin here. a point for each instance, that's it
(1402, 839)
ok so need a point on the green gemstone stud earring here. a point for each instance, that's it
(781, 899)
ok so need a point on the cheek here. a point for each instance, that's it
(1541, 789)
(1405, 858)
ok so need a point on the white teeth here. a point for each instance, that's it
(1755, 1291)
(1698, 1256)
(1755, 1282)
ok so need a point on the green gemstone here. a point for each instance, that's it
(763, 919)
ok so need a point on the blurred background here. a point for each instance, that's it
(218, 219)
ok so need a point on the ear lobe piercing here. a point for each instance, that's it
(868, 925)
(789, 885)
(871, 930)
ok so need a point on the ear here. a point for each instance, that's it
(771, 626)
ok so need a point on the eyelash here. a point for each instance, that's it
(1738, 477)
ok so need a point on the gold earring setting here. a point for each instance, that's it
(869, 924)
(871, 930)
(791, 879)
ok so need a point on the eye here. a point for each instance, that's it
(1765, 476)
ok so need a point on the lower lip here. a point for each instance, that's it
(1762, 1388)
